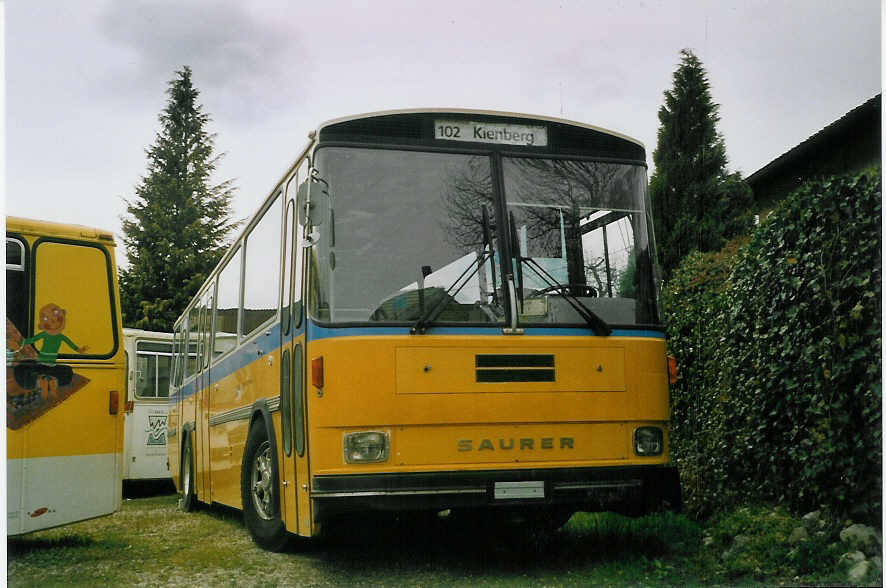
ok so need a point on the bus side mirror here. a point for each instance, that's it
(313, 207)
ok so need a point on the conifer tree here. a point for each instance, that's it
(178, 222)
(697, 204)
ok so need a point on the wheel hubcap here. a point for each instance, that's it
(262, 491)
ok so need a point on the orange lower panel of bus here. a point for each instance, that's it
(484, 445)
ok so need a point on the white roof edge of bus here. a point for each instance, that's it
(128, 332)
(479, 111)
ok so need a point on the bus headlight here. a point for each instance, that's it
(648, 441)
(366, 447)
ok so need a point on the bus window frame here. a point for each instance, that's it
(487, 150)
(292, 293)
(177, 333)
(286, 319)
(299, 269)
(112, 306)
(278, 198)
(186, 344)
(170, 354)
(26, 327)
(184, 351)
(23, 249)
(201, 317)
(196, 307)
(496, 154)
(207, 324)
(216, 279)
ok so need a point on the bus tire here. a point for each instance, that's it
(188, 502)
(259, 489)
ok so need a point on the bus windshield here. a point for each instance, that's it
(413, 235)
(580, 229)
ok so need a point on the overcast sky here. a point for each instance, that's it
(86, 79)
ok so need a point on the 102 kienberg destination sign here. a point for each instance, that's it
(479, 132)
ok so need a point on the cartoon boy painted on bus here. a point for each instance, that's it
(52, 321)
(44, 372)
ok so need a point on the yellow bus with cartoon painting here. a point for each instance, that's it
(65, 375)
(434, 310)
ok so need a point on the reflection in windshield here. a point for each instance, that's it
(413, 234)
(582, 225)
(400, 241)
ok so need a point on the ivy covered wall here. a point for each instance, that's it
(778, 340)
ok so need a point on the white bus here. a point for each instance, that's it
(148, 357)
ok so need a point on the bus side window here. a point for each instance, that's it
(145, 375)
(261, 281)
(164, 363)
(17, 286)
(152, 369)
(73, 300)
(193, 341)
(178, 356)
(129, 393)
(298, 261)
(289, 230)
(202, 311)
(206, 327)
(227, 306)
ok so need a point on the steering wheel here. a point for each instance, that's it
(573, 289)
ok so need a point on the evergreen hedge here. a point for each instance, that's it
(695, 309)
(779, 346)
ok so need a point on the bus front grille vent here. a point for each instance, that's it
(514, 368)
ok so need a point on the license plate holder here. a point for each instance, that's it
(519, 490)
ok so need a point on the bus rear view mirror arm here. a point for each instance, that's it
(313, 201)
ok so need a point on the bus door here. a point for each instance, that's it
(174, 405)
(203, 384)
(190, 386)
(65, 384)
(145, 440)
(295, 505)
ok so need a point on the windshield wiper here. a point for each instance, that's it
(488, 254)
(597, 324)
(428, 316)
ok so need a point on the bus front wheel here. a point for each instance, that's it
(259, 489)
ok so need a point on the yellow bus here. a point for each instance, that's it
(65, 375)
(432, 310)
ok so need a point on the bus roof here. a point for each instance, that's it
(139, 333)
(479, 112)
(26, 226)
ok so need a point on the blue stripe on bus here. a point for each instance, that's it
(319, 332)
(248, 353)
(242, 356)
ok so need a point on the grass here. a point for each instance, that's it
(150, 542)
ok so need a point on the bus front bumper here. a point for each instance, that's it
(630, 490)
